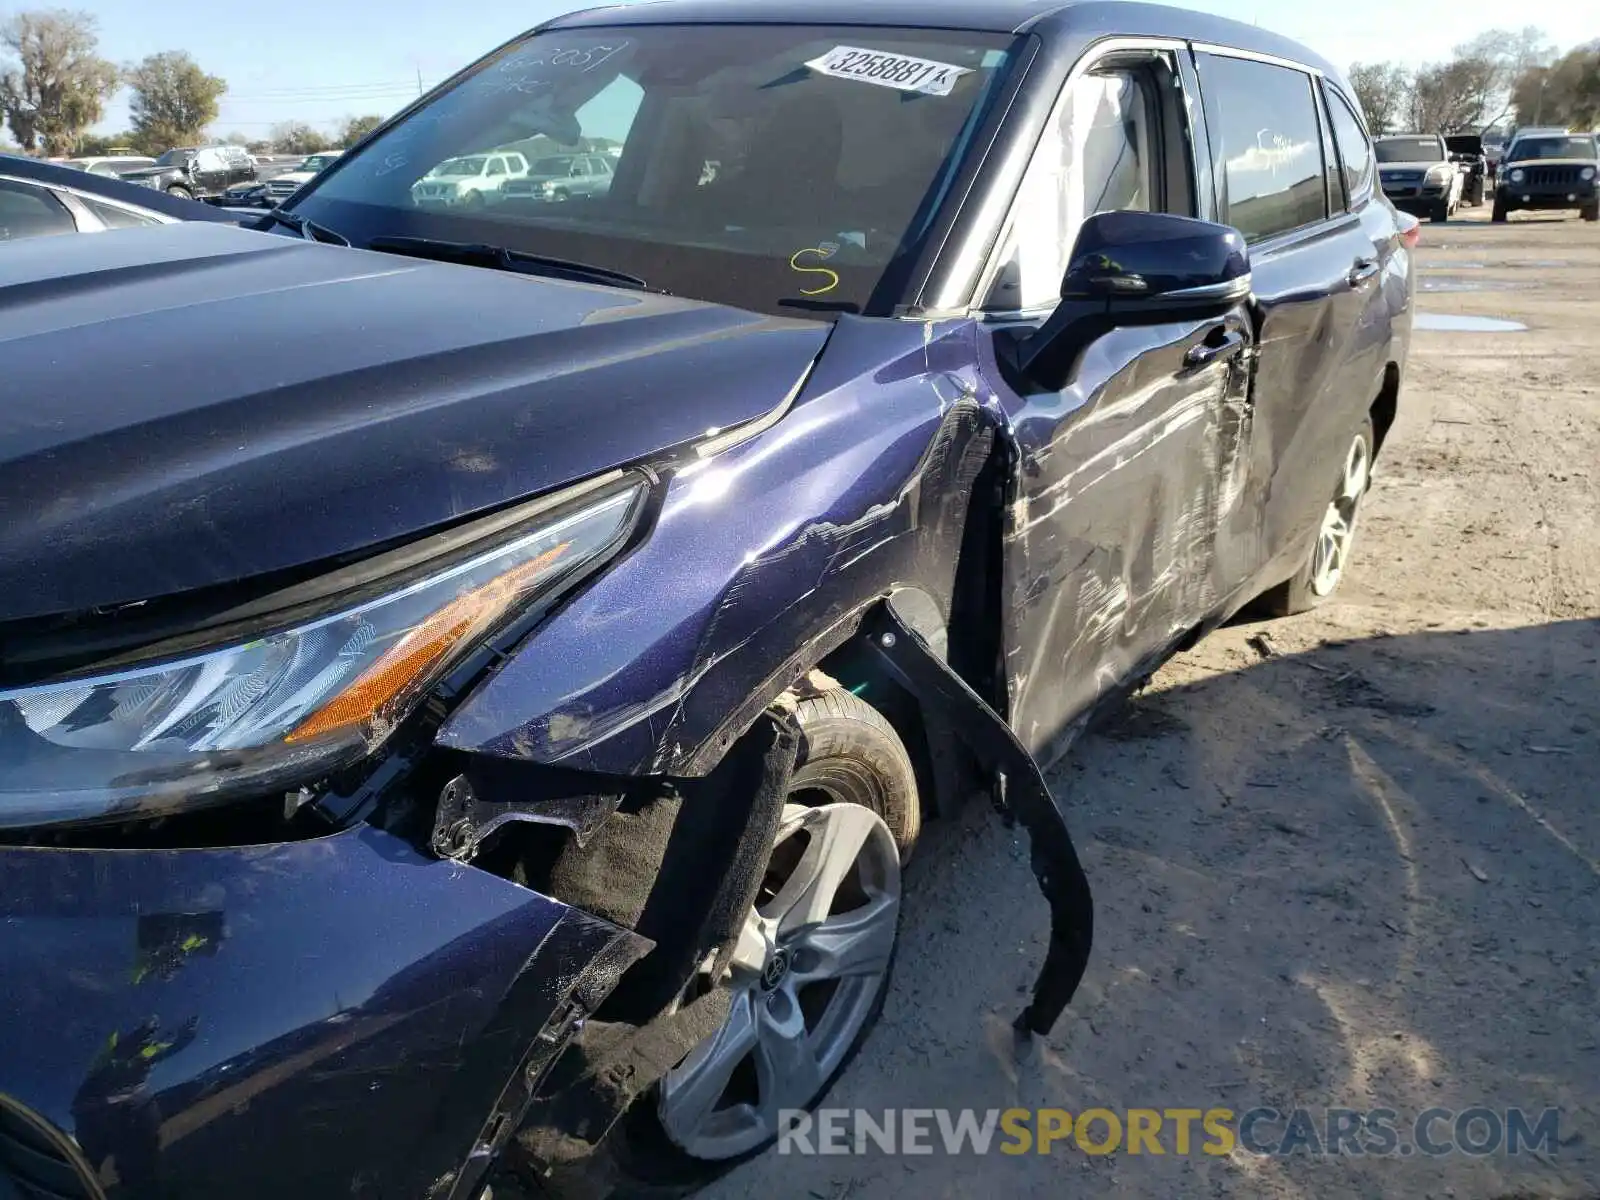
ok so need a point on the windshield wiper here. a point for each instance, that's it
(479, 254)
(309, 230)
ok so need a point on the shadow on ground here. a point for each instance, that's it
(1363, 876)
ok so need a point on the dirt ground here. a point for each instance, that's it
(1356, 864)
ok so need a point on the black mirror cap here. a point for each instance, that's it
(1133, 255)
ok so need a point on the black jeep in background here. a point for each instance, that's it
(1550, 171)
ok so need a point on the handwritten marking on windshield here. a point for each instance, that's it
(825, 251)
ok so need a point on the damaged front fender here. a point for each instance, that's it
(761, 560)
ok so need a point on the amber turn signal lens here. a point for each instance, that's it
(414, 656)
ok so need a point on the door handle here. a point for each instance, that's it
(1230, 345)
(1364, 270)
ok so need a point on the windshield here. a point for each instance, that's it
(317, 161)
(1408, 149)
(1552, 147)
(777, 168)
(174, 158)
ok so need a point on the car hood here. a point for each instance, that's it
(1551, 162)
(294, 177)
(199, 404)
(1423, 165)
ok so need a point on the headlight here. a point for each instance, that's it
(1439, 174)
(1516, 175)
(277, 710)
(1586, 174)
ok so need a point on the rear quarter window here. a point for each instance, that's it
(1268, 146)
(27, 211)
(1355, 151)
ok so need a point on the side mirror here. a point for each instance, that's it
(1136, 268)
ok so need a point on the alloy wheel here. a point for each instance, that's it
(812, 958)
(1339, 522)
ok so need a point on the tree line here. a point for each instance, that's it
(1500, 78)
(54, 86)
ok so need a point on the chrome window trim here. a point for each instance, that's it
(1272, 60)
(992, 263)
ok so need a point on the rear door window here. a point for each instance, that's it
(1268, 147)
(27, 211)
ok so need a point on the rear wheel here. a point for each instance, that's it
(811, 969)
(1319, 576)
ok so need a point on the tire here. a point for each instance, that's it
(1592, 213)
(560, 196)
(1313, 584)
(850, 758)
(179, 191)
(1501, 212)
(472, 200)
(1441, 212)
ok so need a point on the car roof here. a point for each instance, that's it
(1050, 19)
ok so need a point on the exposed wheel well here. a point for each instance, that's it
(1386, 406)
(974, 646)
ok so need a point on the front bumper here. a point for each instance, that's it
(325, 1018)
(1417, 199)
(1526, 195)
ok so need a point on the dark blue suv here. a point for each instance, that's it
(470, 678)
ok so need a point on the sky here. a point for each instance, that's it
(322, 61)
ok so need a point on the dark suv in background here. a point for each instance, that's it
(1548, 171)
(470, 676)
(197, 172)
(1467, 151)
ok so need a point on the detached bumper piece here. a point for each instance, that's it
(1053, 857)
(326, 1018)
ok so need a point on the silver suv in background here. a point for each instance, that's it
(1418, 175)
(562, 177)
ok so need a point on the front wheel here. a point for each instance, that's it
(811, 968)
(1324, 567)
(180, 192)
(1592, 213)
(1441, 212)
(1500, 212)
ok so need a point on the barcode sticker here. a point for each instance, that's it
(899, 71)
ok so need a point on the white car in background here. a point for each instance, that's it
(110, 165)
(471, 181)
